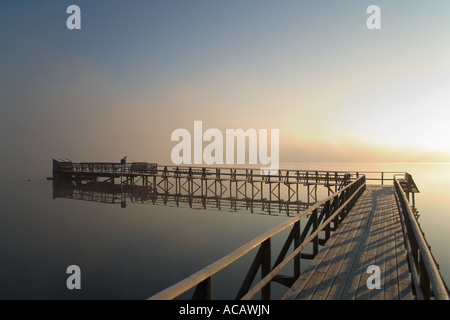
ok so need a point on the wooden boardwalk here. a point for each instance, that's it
(371, 234)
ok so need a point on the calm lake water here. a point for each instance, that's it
(134, 252)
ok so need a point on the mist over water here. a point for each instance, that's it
(134, 252)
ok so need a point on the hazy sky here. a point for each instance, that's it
(137, 70)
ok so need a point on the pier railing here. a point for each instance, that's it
(286, 176)
(322, 219)
(427, 281)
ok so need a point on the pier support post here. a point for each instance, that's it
(266, 268)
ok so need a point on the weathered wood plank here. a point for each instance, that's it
(354, 231)
(345, 277)
(306, 285)
(356, 287)
(321, 279)
(382, 237)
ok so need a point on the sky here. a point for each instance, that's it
(138, 70)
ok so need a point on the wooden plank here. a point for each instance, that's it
(350, 243)
(355, 287)
(382, 236)
(304, 283)
(321, 279)
(346, 277)
(347, 245)
(391, 273)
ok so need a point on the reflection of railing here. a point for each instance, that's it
(322, 217)
(113, 194)
(425, 274)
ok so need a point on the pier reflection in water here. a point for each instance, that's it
(123, 195)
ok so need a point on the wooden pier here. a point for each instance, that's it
(363, 240)
(224, 183)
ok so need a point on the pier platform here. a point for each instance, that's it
(371, 234)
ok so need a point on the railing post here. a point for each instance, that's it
(334, 207)
(327, 208)
(315, 226)
(266, 268)
(296, 245)
(424, 279)
(203, 290)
